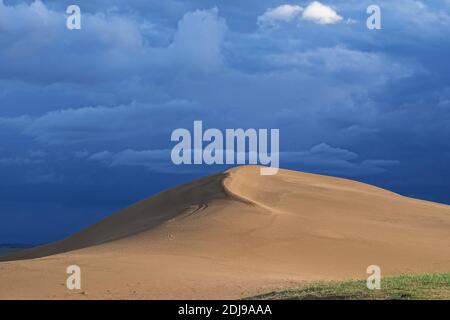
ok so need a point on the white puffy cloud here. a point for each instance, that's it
(283, 13)
(321, 14)
(315, 12)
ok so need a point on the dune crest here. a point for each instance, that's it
(236, 232)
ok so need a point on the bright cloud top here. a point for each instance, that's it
(283, 13)
(321, 14)
(315, 12)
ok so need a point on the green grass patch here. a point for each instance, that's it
(435, 286)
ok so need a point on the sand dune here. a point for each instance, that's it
(238, 233)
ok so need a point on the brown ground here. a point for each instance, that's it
(238, 233)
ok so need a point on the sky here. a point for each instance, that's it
(86, 115)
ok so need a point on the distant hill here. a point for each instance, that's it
(8, 248)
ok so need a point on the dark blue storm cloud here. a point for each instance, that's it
(86, 115)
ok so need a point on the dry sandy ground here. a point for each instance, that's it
(235, 234)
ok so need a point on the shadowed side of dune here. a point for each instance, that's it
(140, 217)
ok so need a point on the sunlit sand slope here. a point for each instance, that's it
(238, 233)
